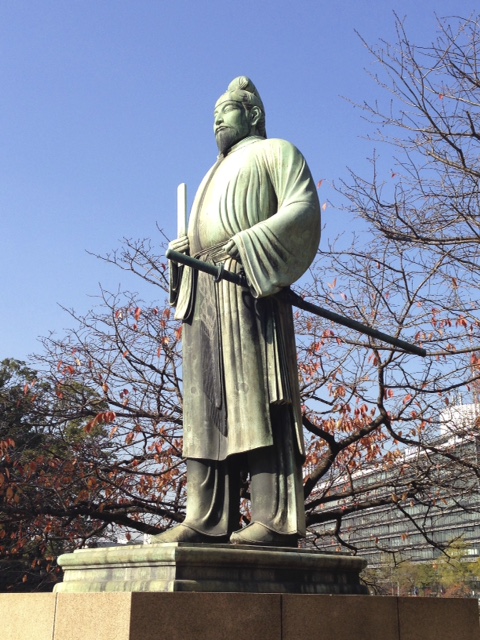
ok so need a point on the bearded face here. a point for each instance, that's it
(231, 124)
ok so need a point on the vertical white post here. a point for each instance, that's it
(181, 210)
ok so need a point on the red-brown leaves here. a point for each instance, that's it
(105, 417)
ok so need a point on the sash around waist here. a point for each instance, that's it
(215, 253)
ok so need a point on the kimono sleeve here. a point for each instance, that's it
(278, 250)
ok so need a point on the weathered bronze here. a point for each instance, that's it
(256, 212)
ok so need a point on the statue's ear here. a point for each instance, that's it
(255, 114)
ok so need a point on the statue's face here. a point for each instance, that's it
(231, 124)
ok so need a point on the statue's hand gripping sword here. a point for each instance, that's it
(289, 296)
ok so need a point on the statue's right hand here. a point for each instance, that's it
(180, 244)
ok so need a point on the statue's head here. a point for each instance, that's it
(238, 113)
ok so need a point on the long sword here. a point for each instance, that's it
(288, 295)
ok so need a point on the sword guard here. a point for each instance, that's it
(243, 278)
(220, 270)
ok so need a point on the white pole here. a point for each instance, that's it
(182, 210)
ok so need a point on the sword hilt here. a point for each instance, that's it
(217, 271)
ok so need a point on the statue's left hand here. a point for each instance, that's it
(181, 244)
(232, 250)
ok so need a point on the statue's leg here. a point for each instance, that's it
(276, 488)
(212, 503)
(213, 496)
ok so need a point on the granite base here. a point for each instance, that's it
(238, 616)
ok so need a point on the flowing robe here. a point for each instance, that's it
(239, 353)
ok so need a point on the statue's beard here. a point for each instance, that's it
(227, 137)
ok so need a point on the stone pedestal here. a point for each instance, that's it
(284, 603)
(210, 568)
(236, 616)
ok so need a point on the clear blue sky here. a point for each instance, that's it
(106, 105)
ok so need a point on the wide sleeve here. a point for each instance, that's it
(278, 250)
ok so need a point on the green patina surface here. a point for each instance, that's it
(212, 568)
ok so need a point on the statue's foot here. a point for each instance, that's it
(258, 534)
(184, 533)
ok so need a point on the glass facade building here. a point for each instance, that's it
(426, 501)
